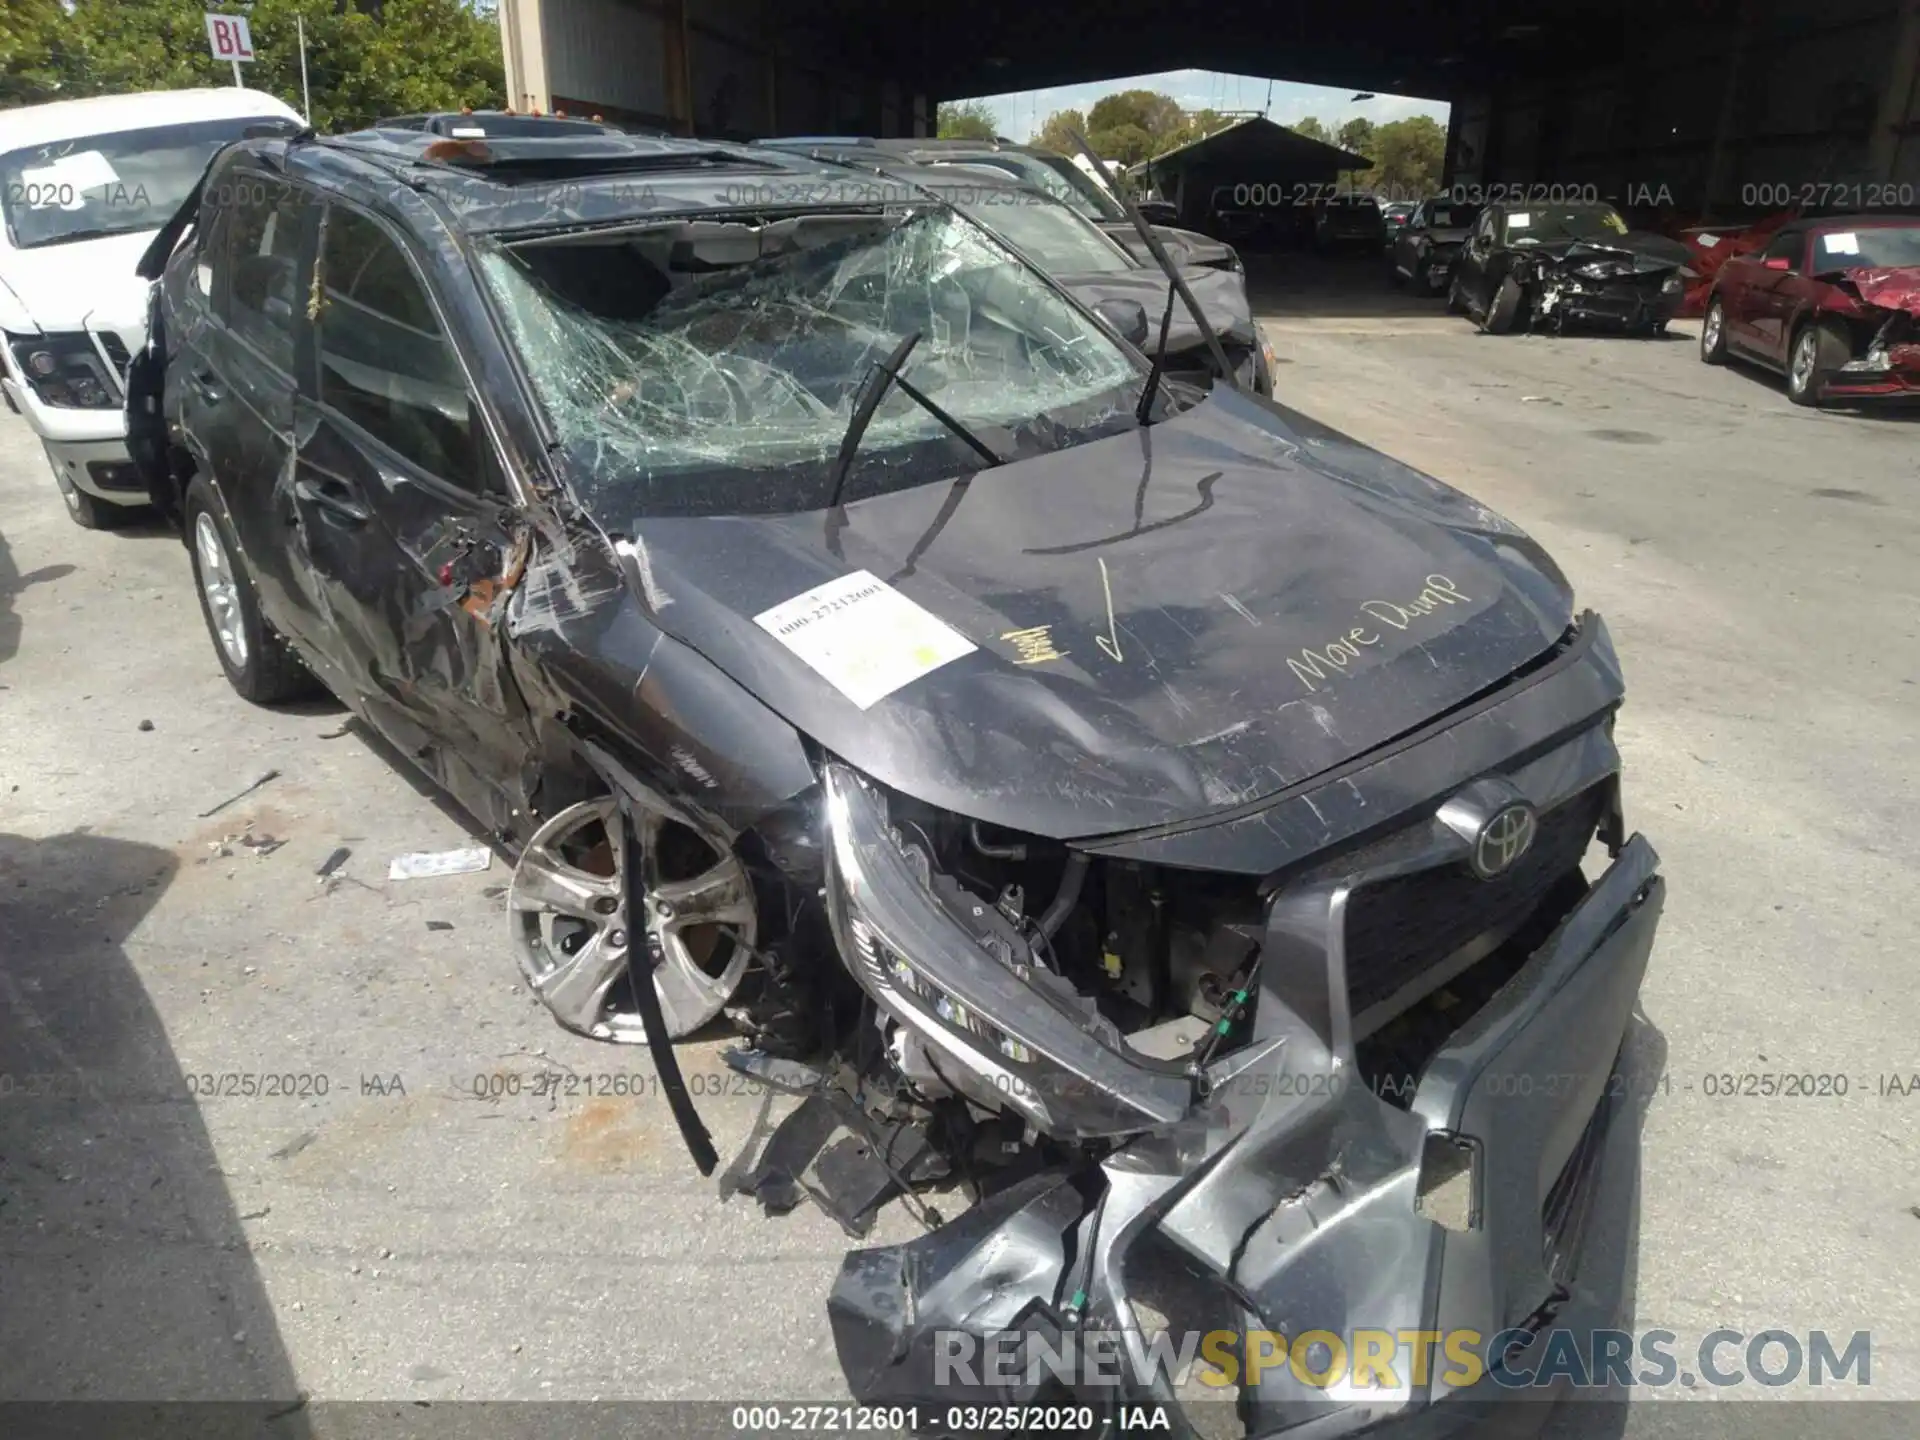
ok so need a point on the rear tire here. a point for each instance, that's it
(1818, 345)
(258, 662)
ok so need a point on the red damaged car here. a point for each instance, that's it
(1833, 302)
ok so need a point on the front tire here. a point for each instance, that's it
(257, 661)
(85, 511)
(1713, 334)
(1504, 309)
(1817, 346)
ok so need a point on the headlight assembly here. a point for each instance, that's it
(65, 369)
(994, 1028)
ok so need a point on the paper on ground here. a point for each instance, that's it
(424, 864)
(863, 636)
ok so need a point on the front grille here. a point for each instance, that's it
(1399, 927)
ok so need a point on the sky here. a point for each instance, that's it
(1020, 113)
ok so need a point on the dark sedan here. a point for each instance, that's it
(1528, 266)
(1145, 804)
(1426, 248)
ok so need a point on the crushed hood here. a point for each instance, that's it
(1222, 295)
(1648, 253)
(1186, 248)
(1146, 628)
(83, 285)
(1892, 287)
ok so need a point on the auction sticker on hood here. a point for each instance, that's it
(863, 636)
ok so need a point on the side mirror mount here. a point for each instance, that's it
(1129, 317)
(1777, 262)
(1160, 212)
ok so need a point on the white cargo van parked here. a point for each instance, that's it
(83, 186)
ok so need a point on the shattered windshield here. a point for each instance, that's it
(1564, 222)
(712, 366)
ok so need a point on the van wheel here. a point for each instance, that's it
(258, 662)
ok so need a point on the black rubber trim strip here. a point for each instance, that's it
(672, 1083)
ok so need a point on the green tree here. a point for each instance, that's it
(1131, 125)
(34, 64)
(1057, 132)
(1356, 136)
(1196, 125)
(1126, 144)
(1312, 129)
(364, 59)
(967, 120)
(1409, 157)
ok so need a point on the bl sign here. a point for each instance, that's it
(229, 38)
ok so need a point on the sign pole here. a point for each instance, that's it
(306, 101)
(236, 72)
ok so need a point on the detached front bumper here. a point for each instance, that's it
(1295, 1199)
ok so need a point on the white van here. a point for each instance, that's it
(83, 186)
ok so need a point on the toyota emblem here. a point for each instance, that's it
(1507, 835)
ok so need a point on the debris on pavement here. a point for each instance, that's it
(144, 725)
(294, 1146)
(424, 865)
(333, 862)
(240, 794)
(439, 925)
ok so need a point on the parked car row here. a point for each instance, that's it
(1832, 303)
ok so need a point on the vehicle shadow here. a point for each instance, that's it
(129, 1276)
(1300, 284)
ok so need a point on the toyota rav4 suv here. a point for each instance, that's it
(1195, 834)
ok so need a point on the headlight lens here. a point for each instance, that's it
(1671, 285)
(931, 975)
(65, 370)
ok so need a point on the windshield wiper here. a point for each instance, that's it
(882, 374)
(1159, 253)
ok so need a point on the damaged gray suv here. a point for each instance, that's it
(1193, 836)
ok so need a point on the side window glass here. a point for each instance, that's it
(385, 363)
(263, 256)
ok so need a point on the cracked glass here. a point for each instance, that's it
(712, 366)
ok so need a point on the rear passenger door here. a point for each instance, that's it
(237, 389)
(402, 505)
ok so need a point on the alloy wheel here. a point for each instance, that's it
(1806, 351)
(573, 936)
(1710, 333)
(222, 590)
